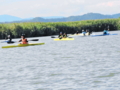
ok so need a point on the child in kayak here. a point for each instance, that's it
(64, 35)
(23, 40)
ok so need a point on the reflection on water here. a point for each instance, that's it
(86, 63)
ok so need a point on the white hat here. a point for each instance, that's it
(8, 35)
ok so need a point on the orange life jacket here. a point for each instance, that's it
(24, 41)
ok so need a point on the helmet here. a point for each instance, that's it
(23, 35)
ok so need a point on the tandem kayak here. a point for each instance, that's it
(103, 35)
(22, 45)
(57, 39)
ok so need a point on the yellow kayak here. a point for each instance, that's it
(57, 39)
(22, 45)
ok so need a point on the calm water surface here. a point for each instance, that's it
(86, 63)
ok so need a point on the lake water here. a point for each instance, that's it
(86, 63)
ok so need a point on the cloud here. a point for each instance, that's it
(40, 8)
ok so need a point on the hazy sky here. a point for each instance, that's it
(43, 8)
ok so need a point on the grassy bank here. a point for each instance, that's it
(31, 29)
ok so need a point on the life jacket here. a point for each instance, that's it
(64, 36)
(24, 41)
(105, 32)
(60, 36)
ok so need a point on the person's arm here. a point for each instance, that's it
(20, 40)
(26, 40)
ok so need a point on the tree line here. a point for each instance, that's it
(36, 29)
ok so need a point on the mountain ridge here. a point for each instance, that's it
(88, 16)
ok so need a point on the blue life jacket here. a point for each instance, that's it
(105, 32)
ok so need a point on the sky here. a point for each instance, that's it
(45, 8)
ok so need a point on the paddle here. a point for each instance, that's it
(58, 37)
(28, 40)
(53, 37)
(61, 38)
(34, 40)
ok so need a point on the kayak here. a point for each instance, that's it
(57, 39)
(87, 34)
(74, 34)
(103, 35)
(16, 41)
(80, 34)
(22, 45)
(8, 42)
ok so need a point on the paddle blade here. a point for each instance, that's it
(34, 40)
(53, 37)
(10, 42)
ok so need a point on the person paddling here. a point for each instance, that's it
(23, 40)
(64, 35)
(83, 32)
(88, 32)
(77, 32)
(9, 39)
(105, 32)
(60, 35)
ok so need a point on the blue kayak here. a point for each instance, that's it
(103, 35)
(8, 42)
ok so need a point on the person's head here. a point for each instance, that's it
(23, 36)
(64, 33)
(60, 33)
(8, 36)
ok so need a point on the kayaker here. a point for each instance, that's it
(60, 36)
(23, 40)
(88, 32)
(83, 32)
(105, 32)
(9, 39)
(77, 32)
(64, 35)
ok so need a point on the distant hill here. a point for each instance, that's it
(9, 18)
(116, 15)
(52, 17)
(88, 16)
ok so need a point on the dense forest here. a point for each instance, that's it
(35, 29)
